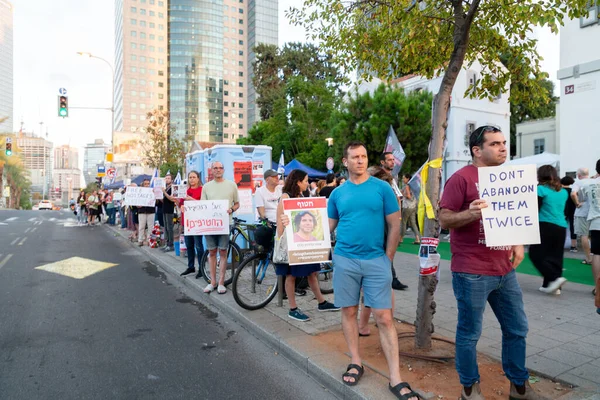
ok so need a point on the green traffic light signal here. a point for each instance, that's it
(9, 152)
(63, 106)
(8, 149)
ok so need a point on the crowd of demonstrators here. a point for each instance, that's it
(219, 189)
(295, 185)
(547, 256)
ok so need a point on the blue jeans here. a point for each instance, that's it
(506, 299)
(122, 216)
(112, 214)
(194, 248)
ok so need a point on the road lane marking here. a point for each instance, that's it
(32, 219)
(33, 230)
(23, 241)
(76, 267)
(11, 219)
(15, 241)
(27, 230)
(52, 219)
(5, 260)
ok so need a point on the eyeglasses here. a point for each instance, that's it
(482, 130)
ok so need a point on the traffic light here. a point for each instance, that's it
(8, 147)
(63, 106)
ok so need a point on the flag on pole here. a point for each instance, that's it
(154, 175)
(177, 180)
(114, 177)
(392, 144)
(168, 172)
(281, 169)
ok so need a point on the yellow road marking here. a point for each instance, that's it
(76, 267)
(5, 260)
(23, 241)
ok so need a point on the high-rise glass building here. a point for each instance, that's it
(6, 65)
(262, 29)
(141, 46)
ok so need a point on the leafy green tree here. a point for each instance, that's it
(528, 111)
(391, 38)
(367, 117)
(161, 149)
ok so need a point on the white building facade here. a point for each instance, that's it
(6, 66)
(94, 155)
(537, 137)
(465, 114)
(579, 76)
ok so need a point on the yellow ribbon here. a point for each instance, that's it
(425, 206)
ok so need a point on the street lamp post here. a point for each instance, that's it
(112, 98)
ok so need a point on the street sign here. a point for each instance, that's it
(8, 139)
(330, 163)
(101, 171)
(110, 173)
(62, 91)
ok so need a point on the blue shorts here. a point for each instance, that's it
(214, 241)
(372, 275)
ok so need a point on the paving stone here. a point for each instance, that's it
(560, 336)
(547, 366)
(566, 357)
(576, 329)
(578, 381)
(588, 371)
(583, 348)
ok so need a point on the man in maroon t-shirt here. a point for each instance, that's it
(482, 274)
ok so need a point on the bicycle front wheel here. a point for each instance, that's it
(234, 257)
(254, 282)
(325, 278)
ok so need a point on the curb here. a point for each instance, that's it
(332, 383)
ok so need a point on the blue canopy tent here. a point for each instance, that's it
(312, 173)
(140, 178)
(115, 185)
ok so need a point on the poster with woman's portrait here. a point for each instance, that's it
(308, 232)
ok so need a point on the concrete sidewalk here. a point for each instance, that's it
(563, 340)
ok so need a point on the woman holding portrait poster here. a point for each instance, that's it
(295, 184)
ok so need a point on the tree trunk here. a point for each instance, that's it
(441, 103)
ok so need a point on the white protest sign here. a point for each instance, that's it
(307, 234)
(117, 196)
(245, 202)
(511, 217)
(206, 217)
(140, 196)
(158, 193)
(160, 182)
(179, 191)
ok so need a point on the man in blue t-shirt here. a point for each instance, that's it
(361, 209)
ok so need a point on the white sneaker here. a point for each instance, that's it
(558, 292)
(209, 288)
(556, 284)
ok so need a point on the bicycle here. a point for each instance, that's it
(234, 253)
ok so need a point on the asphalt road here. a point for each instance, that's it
(84, 316)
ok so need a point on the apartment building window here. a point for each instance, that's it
(160, 95)
(133, 45)
(161, 38)
(142, 117)
(133, 81)
(240, 94)
(161, 49)
(161, 27)
(151, 13)
(241, 10)
(152, 25)
(225, 82)
(142, 11)
(160, 73)
(142, 94)
(225, 124)
(134, 105)
(241, 42)
(142, 46)
(240, 115)
(161, 15)
(142, 106)
(142, 70)
(133, 69)
(151, 48)
(226, 93)
(226, 114)
(133, 21)
(161, 61)
(241, 21)
(133, 33)
(241, 105)
(241, 31)
(133, 9)
(142, 35)
(161, 107)
(241, 126)
(161, 84)
(142, 59)
(143, 24)
(151, 60)
(240, 73)
(240, 84)
(539, 146)
(226, 103)
(133, 57)
(142, 82)
(241, 52)
(160, 3)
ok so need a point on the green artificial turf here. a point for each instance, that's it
(574, 270)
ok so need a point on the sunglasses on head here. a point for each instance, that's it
(482, 130)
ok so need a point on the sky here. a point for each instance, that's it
(47, 36)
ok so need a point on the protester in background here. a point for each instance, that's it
(93, 203)
(122, 209)
(320, 185)
(566, 183)
(547, 256)
(219, 189)
(340, 181)
(409, 210)
(591, 191)
(330, 184)
(295, 184)
(81, 212)
(110, 208)
(192, 242)
(145, 218)
(582, 208)
(313, 189)
(267, 196)
(482, 274)
(168, 209)
(132, 219)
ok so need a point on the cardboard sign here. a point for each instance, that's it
(308, 235)
(140, 196)
(429, 258)
(242, 174)
(511, 217)
(246, 206)
(206, 217)
(179, 191)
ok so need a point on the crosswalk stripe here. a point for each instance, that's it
(22, 241)
(32, 219)
(27, 230)
(15, 241)
(12, 219)
(5, 260)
